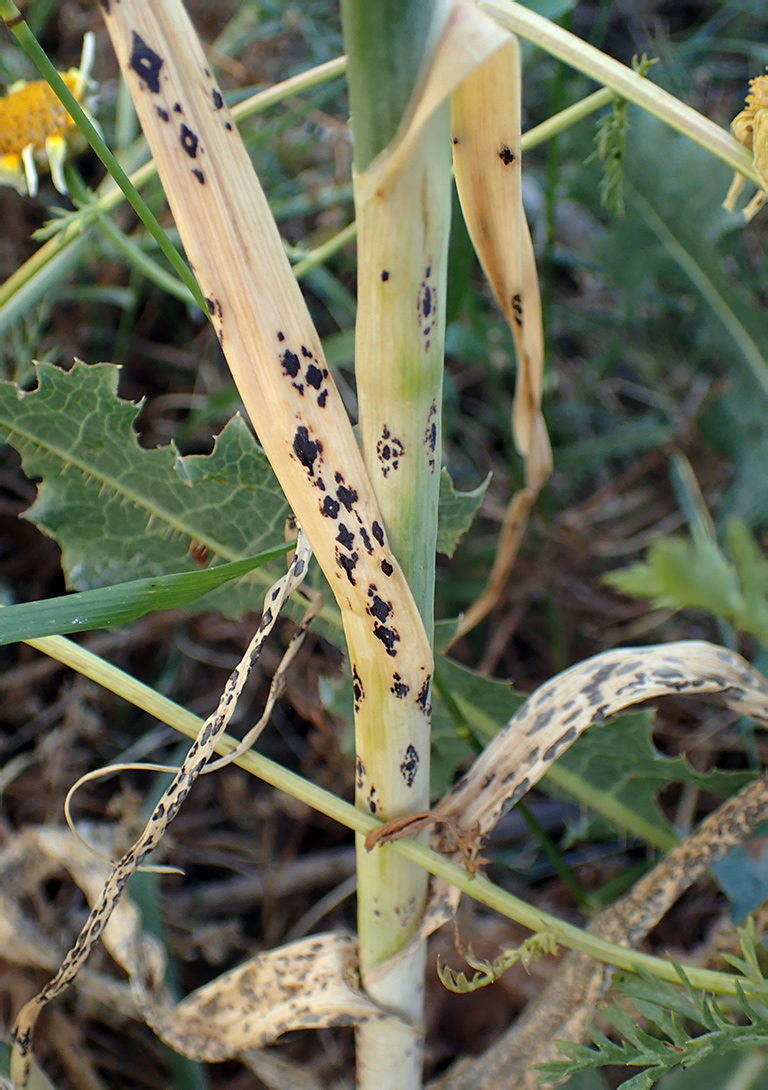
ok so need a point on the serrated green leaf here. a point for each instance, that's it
(643, 1081)
(119, 511)
(457, 510)
(615, 770)
(109, 606)
(679, 573)
(627, 1026)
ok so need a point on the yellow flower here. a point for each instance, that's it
(750, 128)
(36, 130)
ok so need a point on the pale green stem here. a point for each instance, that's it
(403, 220)
(402, 267)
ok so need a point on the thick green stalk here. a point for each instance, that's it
(385, 44)
(403, 218)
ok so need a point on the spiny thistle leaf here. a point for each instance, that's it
(119, 511)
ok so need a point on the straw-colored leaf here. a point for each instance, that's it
(485, 119)
(309, 983)
(559, 711)
(268, 338)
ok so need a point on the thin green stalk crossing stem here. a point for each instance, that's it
(116, 681)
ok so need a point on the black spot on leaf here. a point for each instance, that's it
(145, 62)
(306, 449)
(399, 687)
(410, 765)
(346, 496)
(379, 608)
(423, 698)
(290, 362)
(314, 376)
(357, 687)
(348, 564)
(189, 141)
(345, 536)
(388, 636)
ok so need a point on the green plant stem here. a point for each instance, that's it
(402, 207)
(20, 29)
(476, 886)
(624, 82)
(554, 856)
(385, 44)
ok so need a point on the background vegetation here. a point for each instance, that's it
(656, 399)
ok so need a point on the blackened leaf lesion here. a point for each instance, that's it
(145, 62)
(189, 141)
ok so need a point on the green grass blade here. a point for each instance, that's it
(107, 606)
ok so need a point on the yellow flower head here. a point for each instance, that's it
(750, 127)
(35, 129)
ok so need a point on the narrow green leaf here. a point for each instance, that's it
(124, 602)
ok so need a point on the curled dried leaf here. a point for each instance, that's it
(559, 711)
